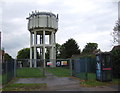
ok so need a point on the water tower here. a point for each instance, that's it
(42, 27)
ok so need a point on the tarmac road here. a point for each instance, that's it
(64, 84)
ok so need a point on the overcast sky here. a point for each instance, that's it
(84, 20)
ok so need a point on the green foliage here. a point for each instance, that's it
(58, 46)
(25, 54)
(69, 48)
(57, 52)
(117, 26)
(90, 48)
(47, 54)
(115, 57)
(29, 72)
(7, 57)
(116, 32)
(94, 83)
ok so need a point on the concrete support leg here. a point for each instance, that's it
(30, 56)
(52, 50)
(44, 48)
(43, 52)
(31, 41)
(35, 49)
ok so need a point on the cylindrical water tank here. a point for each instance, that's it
(38, 20)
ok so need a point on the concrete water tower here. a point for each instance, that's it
(43, 27)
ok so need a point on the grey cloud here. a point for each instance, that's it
(16, 35)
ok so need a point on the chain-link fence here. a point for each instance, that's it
(84, 68)
(8, 71)
(40, 63)
(0, 74)
(23, 67)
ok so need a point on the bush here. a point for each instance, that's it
(115, 57)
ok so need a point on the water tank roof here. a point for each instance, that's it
(39, 20)
(41, 13)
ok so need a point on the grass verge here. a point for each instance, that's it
(29, 72)
(25, 87)
(58, 71)
(94, 83)
(86, 76)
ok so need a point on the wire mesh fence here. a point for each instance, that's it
(40, 63)
(84, 68)
(0, 74)
(7, 71)
(54, 66)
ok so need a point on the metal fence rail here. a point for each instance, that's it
(40, 63)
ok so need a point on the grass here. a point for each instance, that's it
(94, 83)
(91, 76)
(25, 87)
(3, 79)
(88, 76)
(0, 79)
(58, 71)
(29, 72)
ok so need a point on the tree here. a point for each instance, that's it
(58, 46)
(25, 54)
(57, 51)
(7, 57)
(116, 33)
(69, 48)
(115, 57)
(47, 54)
(90, 48)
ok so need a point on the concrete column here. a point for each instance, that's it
(52, 50)
(54, 46)
(44, 48)
(49, 39)
(31, 42)
(35, 52)
(41, 42)
(54, 38)
(40, 47)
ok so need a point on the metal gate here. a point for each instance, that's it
(61, 67)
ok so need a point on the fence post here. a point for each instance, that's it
(86, 68)
(44, 66)
(6, 71)
(15, 68)
(71, 67)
